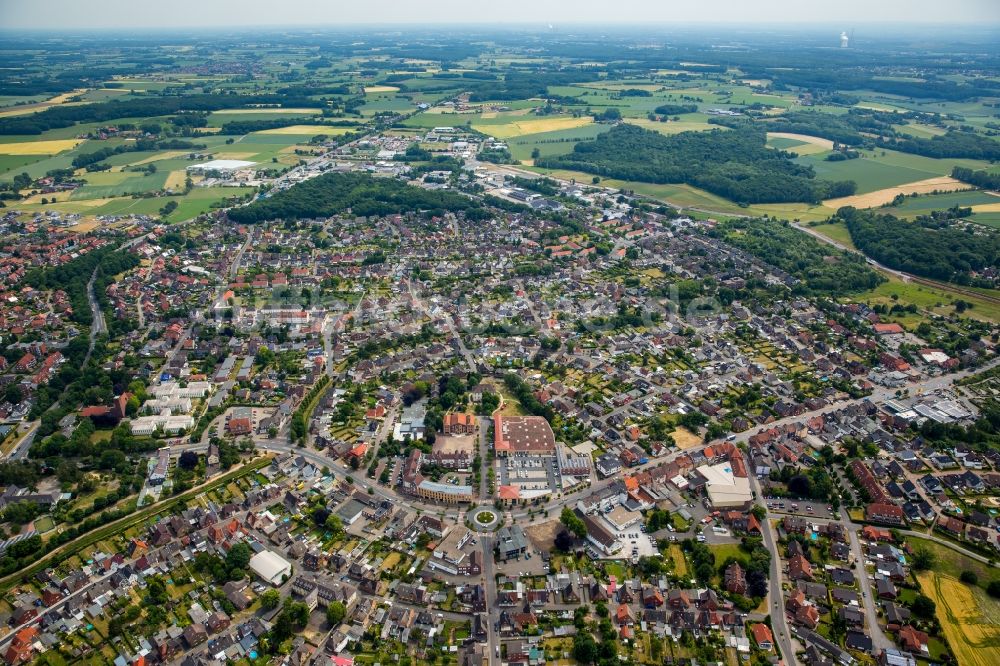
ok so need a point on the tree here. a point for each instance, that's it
(13, 393)
(238, 557)
(270, 599)
(564, 541)
(188, 460)
(335, 613)
(584, 648)
(334, 524)
(573, 523)
(993, 589)
(923, 559)
(969, 577)
(923, 606)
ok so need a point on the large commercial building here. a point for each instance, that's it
(724, 488)
(445, 492)
(270, 567)
(523, 436)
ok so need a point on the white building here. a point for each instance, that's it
(270, 567)
(165, 421)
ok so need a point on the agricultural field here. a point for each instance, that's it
(887, 195)
(925, 204)
(687, 124)
(969, 618)
(516, 126)
(557, 142)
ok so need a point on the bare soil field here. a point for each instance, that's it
(543, 535)
(685, 439)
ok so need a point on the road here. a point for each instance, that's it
(98, 325)
(879, 640)
(775, 596)
(492, 610)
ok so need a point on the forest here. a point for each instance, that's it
(949, 253)
(735, 164)
(981, 178)
(801, 256)
(872, 129)
(66, 116)
(334, 193)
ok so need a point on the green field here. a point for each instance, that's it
(836, 231)
(558, 142)
(935, 299)
(952, 563)
(15, 163)
(783, 143)
(876, 171)
(987, 219)
(924, 204)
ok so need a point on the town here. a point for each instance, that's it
(401, 400)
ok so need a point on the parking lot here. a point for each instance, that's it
(804, 508)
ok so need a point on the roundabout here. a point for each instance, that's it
(484, 518)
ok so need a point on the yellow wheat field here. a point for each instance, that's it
(49, 147)
(532, 126)
(879, 197)
(308, 130)
(380, 89)
(968, 619)
(175, 181)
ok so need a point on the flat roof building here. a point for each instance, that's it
(724, 488)
(221, 165)
(523, 436)
(270, 567)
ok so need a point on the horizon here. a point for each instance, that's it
(110, 15)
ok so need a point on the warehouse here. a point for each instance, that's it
(270, 567)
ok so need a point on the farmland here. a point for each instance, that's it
(969, 618)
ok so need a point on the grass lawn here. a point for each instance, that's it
(680, 562)
(950, 562)
(724, 551)
(836, 231)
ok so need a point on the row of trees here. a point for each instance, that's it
(735, 164)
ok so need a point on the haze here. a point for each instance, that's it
(63, 14)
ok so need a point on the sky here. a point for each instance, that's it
(95, 14)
